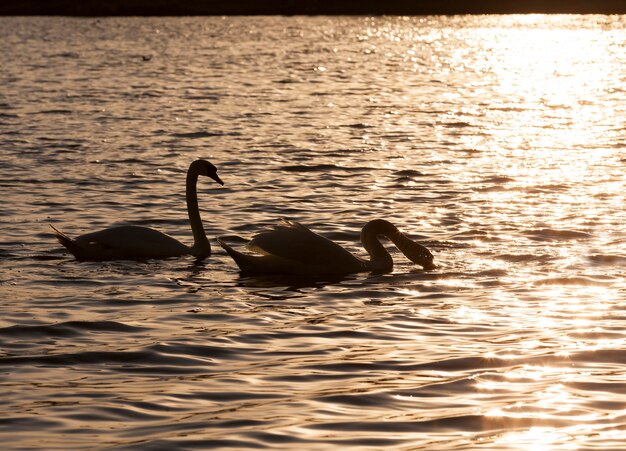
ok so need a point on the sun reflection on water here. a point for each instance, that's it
(550, 77)
(539, 439)
(553, 403)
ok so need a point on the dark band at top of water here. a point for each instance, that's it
(307, 7)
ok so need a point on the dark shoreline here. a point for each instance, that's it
(305, 7)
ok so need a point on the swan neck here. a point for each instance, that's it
(201, 246)
(380, 259)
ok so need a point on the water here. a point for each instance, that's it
(497, 141)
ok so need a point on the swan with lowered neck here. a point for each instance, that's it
(137, 243)
(291, 248)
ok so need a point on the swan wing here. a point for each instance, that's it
(292, 241)
(130, 242)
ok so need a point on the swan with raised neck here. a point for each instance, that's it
(136, 242)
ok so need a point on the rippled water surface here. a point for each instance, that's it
(497, 141)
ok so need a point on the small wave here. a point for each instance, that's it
(71, 55)
(359, 125)
(287, 81)
(189, 443)
(443, 244)
(556, 235)
(139, 95)
(67, 329)
(361, 400)
(574, 281)
(214, 98)
(408, 173)
(610, 356)
(330, 335)
(498, 179)
(458, 124)
(398, 137)
(16, 424)
(323, 168)
(144, 361)
(58, 111)
(228, 396)
(474, 234)
(492, 273)
(607, 259)
(453, 364)
(522, 258)
(202, 134)
(509, 109)
(7, 254)
(115, 414)
(462, 422)
(541, 189)
(203, 351)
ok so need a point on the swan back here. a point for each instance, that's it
(294, 242)
(123, 243)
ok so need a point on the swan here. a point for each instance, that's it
(136, 242)
(291, 248)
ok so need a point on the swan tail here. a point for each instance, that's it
(68, 243)
(238, 257)
(254, 264)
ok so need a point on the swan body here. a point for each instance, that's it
(291, 248)
(137, 243)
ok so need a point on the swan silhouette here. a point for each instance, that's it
(136, 242)
(291, 248)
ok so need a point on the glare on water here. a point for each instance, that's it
(496, 141)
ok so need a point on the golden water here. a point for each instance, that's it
(497, 141)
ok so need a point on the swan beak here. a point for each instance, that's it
(217, 179)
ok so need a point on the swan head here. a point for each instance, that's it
(206, 168)
(412, 250)
(418, 254)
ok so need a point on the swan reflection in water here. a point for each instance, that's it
(291, 248)
(136, 242)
